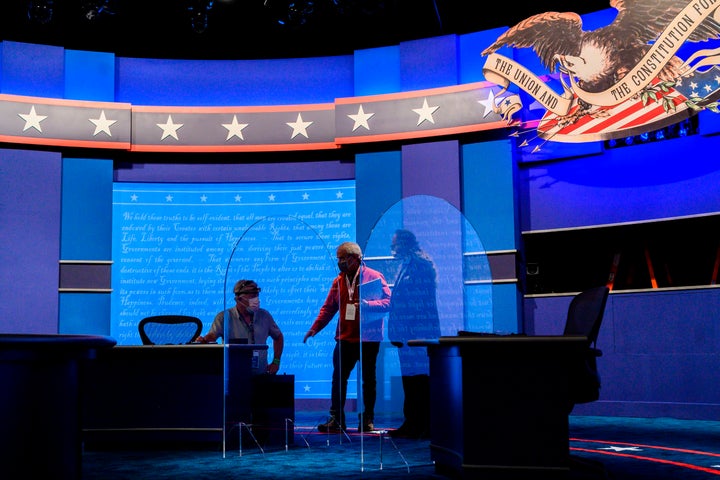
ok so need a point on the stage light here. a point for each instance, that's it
(199, 10)
(292, 13)
(660, 135)
(92, 9)
(683, 130)
(629, 140)
(40, 11)
(644, 137)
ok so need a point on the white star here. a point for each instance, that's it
(339, 195)
(133, 198)
(203, 198)
(168, 198)
(622, 449)
(306, 196)
(271, 197)
(488, 104)
(425, 112)
(306, 388)
(234, 129)
(361, 119)
(299, 127)
(708, 88)
(717, 78)
(693, 85)
(32, 119)
(102, 124)
(238, 198)
(169, 128)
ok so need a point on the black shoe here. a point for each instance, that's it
(331, 426)
(365, 424)
(406, 431)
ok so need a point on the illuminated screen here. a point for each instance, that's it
(179, 249)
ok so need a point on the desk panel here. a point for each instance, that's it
(175, 393)
(499, 405)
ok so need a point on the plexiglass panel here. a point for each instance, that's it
(291, 265)
(438, 272)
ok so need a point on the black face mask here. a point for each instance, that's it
(343, 266)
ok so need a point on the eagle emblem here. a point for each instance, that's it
(622, 79)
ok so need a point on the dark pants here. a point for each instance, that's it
(416, 407)
(345, 356)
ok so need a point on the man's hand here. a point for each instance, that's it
(310, 333)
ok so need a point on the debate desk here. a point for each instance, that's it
(179, 394)
(500, 405)
(40, 403)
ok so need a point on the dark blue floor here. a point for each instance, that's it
(627, 448)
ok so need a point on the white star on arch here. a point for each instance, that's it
(235, 129)
(169, 128)
(299, 127)
(361, 119)
(488, 104)
(426, 112)
(102, 124)
(32, 119)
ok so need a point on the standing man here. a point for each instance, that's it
(248, 321)
(413, 315)
(362, 297)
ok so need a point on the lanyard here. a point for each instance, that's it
(351, 285)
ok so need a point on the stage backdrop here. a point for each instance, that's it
(175, 244)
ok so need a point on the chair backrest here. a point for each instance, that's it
(585, 313)
(584, 317)
(169, 329)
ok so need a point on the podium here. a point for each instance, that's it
(500, 405)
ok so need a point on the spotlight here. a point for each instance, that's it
(40, 11)
(92, 9)
(292, 13)
(629, 140)
(660, 135)
(199, 10)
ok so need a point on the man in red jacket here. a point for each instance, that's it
(362, 297)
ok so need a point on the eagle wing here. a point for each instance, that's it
(549, 34)
(642, 21)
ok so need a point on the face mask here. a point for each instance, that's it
(253, 304)
(343, 266)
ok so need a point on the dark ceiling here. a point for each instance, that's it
(250, 29)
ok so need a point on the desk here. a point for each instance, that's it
(499, 405)
(176, 393)
(40, 403)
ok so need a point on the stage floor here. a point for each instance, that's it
(629, 448)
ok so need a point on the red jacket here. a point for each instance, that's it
(375, 295)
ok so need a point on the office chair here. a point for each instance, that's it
(584, 318)
(169, 329)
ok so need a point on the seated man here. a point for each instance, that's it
(250, 322)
